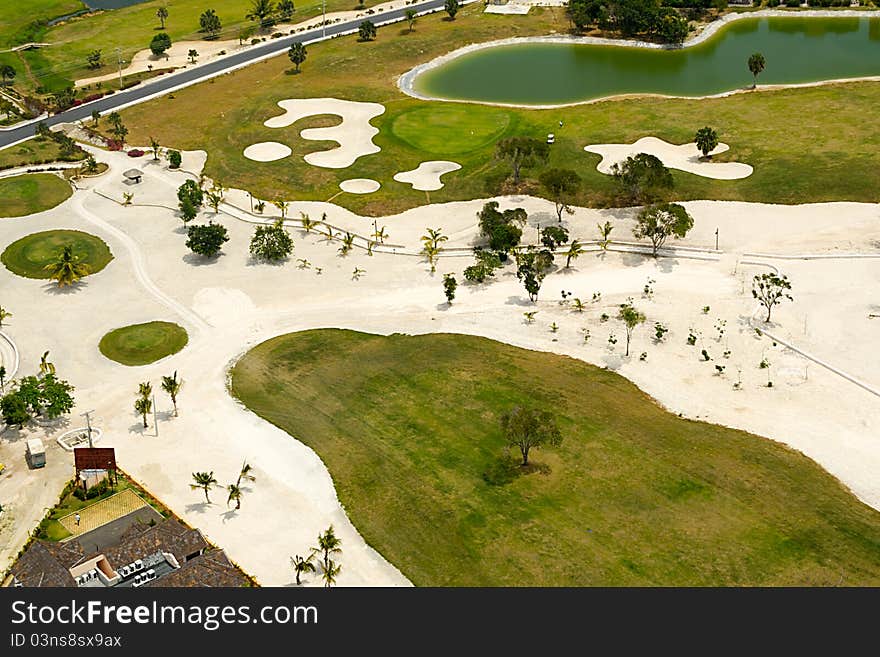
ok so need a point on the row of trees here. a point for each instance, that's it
(630, 17)
(44, 395)
(143, 403)
(205, 481)
(328, 545)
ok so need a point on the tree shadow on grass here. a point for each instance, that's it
(504, 470)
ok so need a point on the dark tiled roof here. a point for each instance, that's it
(168, 536)
(47, 564)
(212, 569)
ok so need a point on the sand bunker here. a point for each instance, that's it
(426, 177)
(359, 186)
(267, 151)
(354, 134)
(685, 157)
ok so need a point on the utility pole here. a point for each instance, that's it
(119, 65)
(716, 239)
(323, 18)
(155, 420)
(88, 425)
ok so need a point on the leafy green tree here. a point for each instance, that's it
(172, 385)
(67, 268)
(553, 236)
(529, 428)
(188, 211)
(411, 18)
(584, 12)
(659, 222)
(7, 73)
(367, 31)
(210, 24)
(301, 566)
(770, 290)
(286, 9)
(449, 285)
(271, 243)
(484, 267)
(174, 159)
(531, 267)
(451, 8)
(642, 176)
(190, 193)
(706, 140)
(14, 410)
(160, 43)
(574, 250)
(261, 12)
(297, 54)
(205, 481)
(671, 27)
(631, 318)
(503, 229)
(522, 153)
(756, 66)
(93, 59)
(206, 239)
(162, 14)
(55, 396)
(560, 185)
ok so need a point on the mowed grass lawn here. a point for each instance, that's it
(408, 427)
(806, 145)
(38, 150)
(30, 193)
(141, 344)
(29, 255)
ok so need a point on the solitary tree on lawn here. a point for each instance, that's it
(528, 428)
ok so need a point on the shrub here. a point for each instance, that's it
(135, 152)
(174, 159)
(255, 41)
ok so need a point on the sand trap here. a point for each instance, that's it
(426, 177)
(359, 186)
(354, 134)
(685, 157)
(267, 151)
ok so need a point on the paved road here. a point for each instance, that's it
(188, 76)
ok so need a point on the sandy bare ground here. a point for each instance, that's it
(426, 176)
(685, 157)
(354, 134)
(359, 186)
(232, 303)
(267, 151)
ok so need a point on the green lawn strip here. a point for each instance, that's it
(408, 427)
(29, 255)
(30, 193)
(141, 344)
(16, 18)
(34, 151)
(811, 160)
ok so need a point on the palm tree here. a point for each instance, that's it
(347, 243)
(357, 273)
(162, 14)
(328, 545)
(45, 366)
(203, 480)
(306, 223)
(245, 473)
(261, 10)
(756, 65)
(4, 314)
(330, 572)
(67, 269)
(142, 406)
(172, 386)
(145, 389)
(234, 494)
(380, 235)
(431, 252)
(574, 250)
(605, 232)
(282, 205)
(154, 144)
(301, 566)
(435, 237)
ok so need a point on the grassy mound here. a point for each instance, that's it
(141, 344)
(447, 129)
(29, 256)
(408, 426)
(30, 193)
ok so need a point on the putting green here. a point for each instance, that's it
(451, 129)
(30, 193)
(29, 256)
(141, 344)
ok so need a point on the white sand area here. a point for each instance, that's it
(267, 151)
(685, 157)
(426, 176)
(354, 134)
(359, 186)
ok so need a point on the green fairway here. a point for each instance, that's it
(30, 193)
(408, 427)
(798, 153)
(17, 18)
(444, 129)
(37, 150)
(29, 256)
(141, 344)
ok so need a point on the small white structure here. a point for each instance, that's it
(35, 453)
